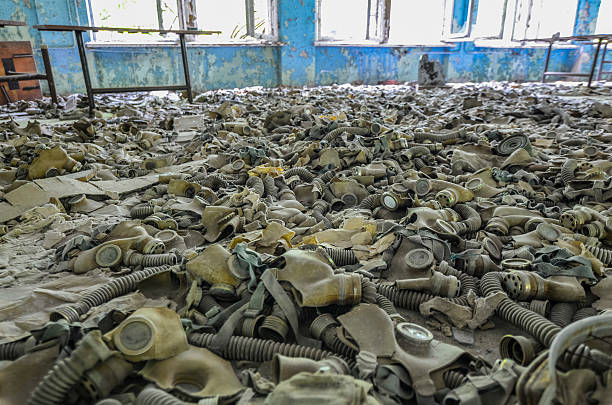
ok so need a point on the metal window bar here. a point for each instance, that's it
(250, 17)
(187, 17)
(369, 14)
(160, 15)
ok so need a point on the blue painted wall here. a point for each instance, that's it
(297, 62)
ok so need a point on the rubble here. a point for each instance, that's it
(343, 244)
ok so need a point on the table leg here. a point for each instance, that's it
(44, 50)
(594, 62)
(5, 94)
(85, 68)
(547, 61)
(186, 67)
(601, 61)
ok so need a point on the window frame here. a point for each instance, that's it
(447, 22)
(187, 19)
(381, 25)
(384, 27)
(517, 20)
(506, 38)
(507, 19)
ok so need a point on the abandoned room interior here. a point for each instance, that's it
(305, 202)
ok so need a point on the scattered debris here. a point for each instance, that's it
(338, 243)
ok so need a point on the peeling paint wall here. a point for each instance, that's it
(297, 31)
(210, 67)
(296, 62)
(463, 62)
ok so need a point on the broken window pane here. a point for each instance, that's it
(344, 19)
(134, 14)
(416, 22)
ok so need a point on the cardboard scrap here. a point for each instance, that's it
(461, 316)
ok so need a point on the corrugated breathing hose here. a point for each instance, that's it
(562, 313)
(142, 211)
(327, 194)
(256, 184)
(152, 260)
(12, 350)
(324, 327)
(386, 305)
(410, 299)
(460, 166)
(319, 217)
(302, 172)
(208, 303)
(603, 254)
(319, 209)
(418, 163)
(341, 257)
(427, 136)
(113, 289)
(407, 299)
(213, 181)
(137, 172)
(259, 350)
(582, 356)
(584, 313)
(468, 283)
(67, 372)
(154, 396)
(270, 187)
(370, 202)
(536, 325)
(327, 176)
(471, 219)
(368, 291)
(567, 170)
(418, 149)
(350, 130)
(453, 379)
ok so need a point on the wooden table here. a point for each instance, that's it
(78, 33)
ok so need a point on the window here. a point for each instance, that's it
(430, 22)
(238, 20)
(490, 19)
(458, 18)
(509, 20)
(351, 20)
(159, 14)
(604, 18)
(545, 18)
(417, 22)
